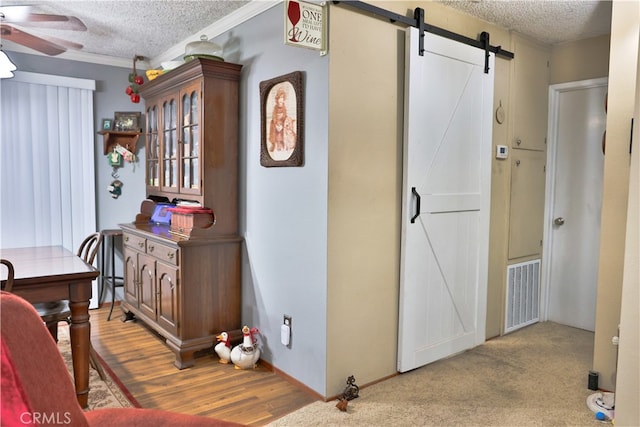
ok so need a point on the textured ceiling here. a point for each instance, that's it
(123, 29)
(159, 29)
(548, 21)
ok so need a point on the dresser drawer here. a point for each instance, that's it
(162, 252)
(134, 241)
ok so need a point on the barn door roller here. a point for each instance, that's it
(417, 21)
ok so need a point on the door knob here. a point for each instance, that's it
(558, 221)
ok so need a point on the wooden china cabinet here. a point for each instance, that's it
(187, 287)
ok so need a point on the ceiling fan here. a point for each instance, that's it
(23, 17)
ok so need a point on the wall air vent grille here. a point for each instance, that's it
(523, 295)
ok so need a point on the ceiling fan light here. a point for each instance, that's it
(16, 13)
(6, 66)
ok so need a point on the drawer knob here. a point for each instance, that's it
(151, 248)
(140, 244)
(170, 255)
(126, 238)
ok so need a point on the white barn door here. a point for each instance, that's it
(446, 199)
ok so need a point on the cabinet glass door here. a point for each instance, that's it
(153, 148)
(190, 143)
(169, 146)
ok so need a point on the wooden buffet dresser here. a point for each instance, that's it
(187, 286)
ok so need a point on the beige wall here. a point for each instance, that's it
(500, 188)
(365, 127)
(621, 105)
(365, 170)
(580, 60)
(573, 61)
(366, 85)
(628, 376)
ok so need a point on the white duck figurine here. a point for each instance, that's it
(223, 348)
(246, 355)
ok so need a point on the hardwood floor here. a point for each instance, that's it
(144, 364)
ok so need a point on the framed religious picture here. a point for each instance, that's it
(282, 121)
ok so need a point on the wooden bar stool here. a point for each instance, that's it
(109, 237)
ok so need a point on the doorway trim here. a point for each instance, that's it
(552, 130)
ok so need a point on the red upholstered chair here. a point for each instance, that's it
(36, 380)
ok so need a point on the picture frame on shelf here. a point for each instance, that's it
(127, 121)
(107, 124)
(282, 121)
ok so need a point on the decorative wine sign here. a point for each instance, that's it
(305, 25)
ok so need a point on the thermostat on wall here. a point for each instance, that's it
(502, 151)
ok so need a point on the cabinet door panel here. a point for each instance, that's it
(530, 95)
(153, 148)
(190, 142)
(168, 297)
(130, 276)
(169, 146)
(147, 280)
(527, 203)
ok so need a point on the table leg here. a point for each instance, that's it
(113, 274)
(102, 270)
(80, 332)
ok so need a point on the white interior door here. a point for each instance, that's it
(572, 229)
(446, 197)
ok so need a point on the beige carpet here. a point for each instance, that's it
(102, 394)
(536, 376)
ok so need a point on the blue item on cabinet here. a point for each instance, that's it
(161, 215)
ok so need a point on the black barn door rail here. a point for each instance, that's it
(418, 22)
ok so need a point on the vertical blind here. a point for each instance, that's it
(47, 180)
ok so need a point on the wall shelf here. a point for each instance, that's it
(127, 139)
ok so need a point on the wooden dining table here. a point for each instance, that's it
(51, 273)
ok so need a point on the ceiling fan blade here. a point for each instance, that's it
(66, 43)
(22, 15)
(29, 40)
(56, 22)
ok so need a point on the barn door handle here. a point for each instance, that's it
(415, 193)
